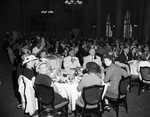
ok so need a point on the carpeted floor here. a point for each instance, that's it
(138, 106)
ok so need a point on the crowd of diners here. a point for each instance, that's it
(95, 56)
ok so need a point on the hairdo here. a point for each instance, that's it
(38, 65)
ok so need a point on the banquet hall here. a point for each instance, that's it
(66, 35)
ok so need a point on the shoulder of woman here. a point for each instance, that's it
(41, 75)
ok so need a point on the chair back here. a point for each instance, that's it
(93, 94)
(145, 73)
(45, 94)
(31, 101)
(124, 85)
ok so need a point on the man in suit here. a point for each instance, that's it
(71, 61)
(92, 58)
(123, 57)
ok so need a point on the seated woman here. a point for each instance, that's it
(29, 62)
(43, 54)
(43, 78)
(43, 57)
(146, 54)
(89, 79)
(26, 82)
(132, 54)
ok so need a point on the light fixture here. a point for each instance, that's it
(73, 2)
(71, 6)
(47, 12)
(135, 25)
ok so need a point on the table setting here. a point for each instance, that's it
(67, 81)
(55, 61)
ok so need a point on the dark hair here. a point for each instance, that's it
(125, 46)
(43, 50)
(92, 67)
(48, 113)
(109, 56)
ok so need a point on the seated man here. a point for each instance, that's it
(123, 57)
(71, 61)
(122, 60)
(113, 76)
(92, 58)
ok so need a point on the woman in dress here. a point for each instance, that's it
(89, 79)
(44, 78)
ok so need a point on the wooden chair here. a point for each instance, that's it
(145, 82)
(92, 98)
(46, 98)
(121, 100)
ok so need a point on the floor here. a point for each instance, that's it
(138, 106)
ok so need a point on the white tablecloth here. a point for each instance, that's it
(55, 63)
(134, 67)
(70, 92)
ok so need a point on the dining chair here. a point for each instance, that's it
(145, 79)
(135, 80)
(121, 100)
(92, 99)
(46, 98)
(31, 102)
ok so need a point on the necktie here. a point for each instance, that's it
(126, 56)
(92, 58)
(72, 59)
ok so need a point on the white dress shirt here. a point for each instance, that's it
(68, 63)
(35, 50)
(90, 58)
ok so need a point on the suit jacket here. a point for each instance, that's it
(122, 58)
(131, 56)
(60, 50)
(87, 59)
(69, 64)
